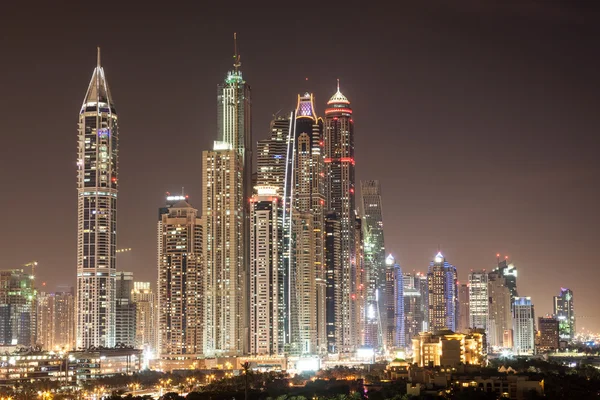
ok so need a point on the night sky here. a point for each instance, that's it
(480, 119)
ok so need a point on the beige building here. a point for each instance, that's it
(180, 274)
(56, 320)
(500, 317)
(448, 349)
(146, 316)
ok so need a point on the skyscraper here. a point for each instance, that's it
(125, 312)
(375, 267)
(333, 272)
(509, 272)
(97, 184)
(443, 295)
(499, 317)
(523, 326)
(413, 307)
(338, 140)
(267, 277)
(145, 317)
(478, 300)
(396, 337)
(56, 320)
(564, 312)
(180, 278)
(463, 308)
(17, 308)
(547, 339)
(227, 180)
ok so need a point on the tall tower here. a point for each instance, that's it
(125, 311)
(442, 285)
(564, 312)
(227, 180)
(499, 317)
(414, 315)
(523, 326)
(375, 267)
(180, 278)
(395, 333)
(145, 317)
(267, 301)
(97, 187)
(339, 171)
(479, 300)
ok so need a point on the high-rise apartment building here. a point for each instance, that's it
(414, 316)
(145, 317)
(338, 140)
(359, 297)
(396, 337)
(227, 180)
(56, 320)
(180, 280)
(332, 275)
(442, 287)
(267, 277)
(17, 308)
(463, 308)
(564, 312)
(478, 300)
(547, 337)
(97, 187)
(374, 263)
(509, 272)
(523, 326)
(500, 316)
(125, 313)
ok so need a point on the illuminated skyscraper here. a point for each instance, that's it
(17, 308)
(414, 317)
(97, 183)
(499, 317)
(523, 326)
(267, 278)
(443, 295)
(145, 317)
(396, 337)
(180, 278)
(509, 272)
(463, 309)
(478, 300)
(124, 310)
(374, 263)
(333, 270)
(564, 312)
(227, 180)
(338, 142)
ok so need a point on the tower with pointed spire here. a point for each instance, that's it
(339, 172)
(97, 187)
(227, 182)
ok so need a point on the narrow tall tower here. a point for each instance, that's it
(442, 283)
(227, 181)
(340, 181)
(97, 187)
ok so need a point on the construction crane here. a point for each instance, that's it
(31, 264)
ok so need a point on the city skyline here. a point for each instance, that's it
(410, 238)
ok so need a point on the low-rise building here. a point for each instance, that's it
(447, 348)
(30, 365)
(512, 387)
(95, 363)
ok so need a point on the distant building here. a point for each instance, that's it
(448, 349)
(478, 300)
(125, 313)
(547, 336)
(56, 320)
(17, 308)
(500, 316)
(145, 317)
(414, 315)
(442, 286)
(463, 308)
(508, 270)
(523, 326)
(396, 337)
(332, 269)
(564, 312)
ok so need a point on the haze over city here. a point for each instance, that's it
(479, 121)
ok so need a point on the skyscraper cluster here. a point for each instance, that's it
(278, 261)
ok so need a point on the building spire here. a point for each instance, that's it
(236, 56)
(98, 62)
(338, 82)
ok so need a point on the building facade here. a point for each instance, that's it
(564, 312)
(97, 188)
(414, 316)
(499, 332)
(448, 349)
(548, 334)
(125, 312)
(523, 326)
(374, 263)
(463, 308)
(17, 308)
(56, 320)
(478, 300)
(338, 140)
(180, 280)
(146, 319)
(395, 333)
(442, 284)
(267, 277)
